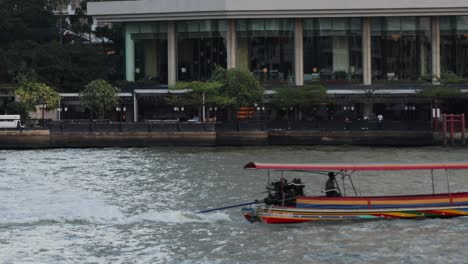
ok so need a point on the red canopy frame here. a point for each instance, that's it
(356, 167)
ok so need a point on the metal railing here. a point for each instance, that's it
(130, 127)
(274, 125)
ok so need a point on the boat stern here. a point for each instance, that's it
(250, 214)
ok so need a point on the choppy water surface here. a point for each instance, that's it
(136, 206)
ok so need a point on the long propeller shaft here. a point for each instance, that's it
(227, 207)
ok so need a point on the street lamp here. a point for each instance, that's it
(121, 110)
(44, 106)
(178, 109)
(261, 110)
(60, 110)
(212, 109)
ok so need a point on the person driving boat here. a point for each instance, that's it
(331, 188)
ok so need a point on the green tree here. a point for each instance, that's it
(298, 97)
(440, 92)
(114, 48)
(240, 85)
(33, 94)
(200, 94)
(25, 20)
(18, 108)
(24, 25)
(99, 97)
(204, 92)
(29, 44)
(59, 6)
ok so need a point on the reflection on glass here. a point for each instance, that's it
(266, 48)
(201, 47)
(151, 52)
(454, 47)
(332, 50)
(401, 49)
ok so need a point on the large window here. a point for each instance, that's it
(454, 47)
(266, 48)
(151, 52)
(401, 49)
(332, 50)
(201, 47)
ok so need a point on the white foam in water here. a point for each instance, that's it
(59, 206)
(48, 204)
(180, 217)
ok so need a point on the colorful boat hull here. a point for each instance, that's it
(309, 209)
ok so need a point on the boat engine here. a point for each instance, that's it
(284, 193)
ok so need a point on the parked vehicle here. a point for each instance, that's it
(10, 121)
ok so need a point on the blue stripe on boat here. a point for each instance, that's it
(332, 206)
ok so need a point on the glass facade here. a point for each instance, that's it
(332, 50)
(454, 47)
(201, 47)
(266, 48)
(401, 49)
(150, 44)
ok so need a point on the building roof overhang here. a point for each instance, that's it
(154, 10)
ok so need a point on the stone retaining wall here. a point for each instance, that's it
(45, 139)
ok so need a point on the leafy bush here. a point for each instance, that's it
(299, 96)
(240, 85)
(440, 92)
(34, 93)
(99, 97)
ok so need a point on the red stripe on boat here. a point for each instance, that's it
(440, 213)
(276, 220)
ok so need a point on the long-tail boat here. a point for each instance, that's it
(286, 202)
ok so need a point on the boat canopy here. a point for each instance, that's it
(356, 167)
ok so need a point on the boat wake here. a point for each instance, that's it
(51, 204)
(111, 216)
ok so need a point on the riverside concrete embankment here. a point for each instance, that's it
(30, 139)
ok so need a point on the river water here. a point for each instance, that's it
(136, 206)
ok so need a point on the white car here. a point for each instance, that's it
(10, 121)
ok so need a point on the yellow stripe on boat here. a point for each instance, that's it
(401, 215)
(460, 200)
(332, 202)
(421, 201)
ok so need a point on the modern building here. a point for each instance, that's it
(351, 47)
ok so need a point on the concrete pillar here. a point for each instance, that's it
(171, 53)
(242, 54)
(151, 59)
(299, 52)
(135, 108)
(231, 44)
(436, 72)
(340, 54)
(366, 51)
(129, 55)
(367, 109)
(422, 60)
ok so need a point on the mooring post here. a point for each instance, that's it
(444, 127)
(452, 129)
(463, 129)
